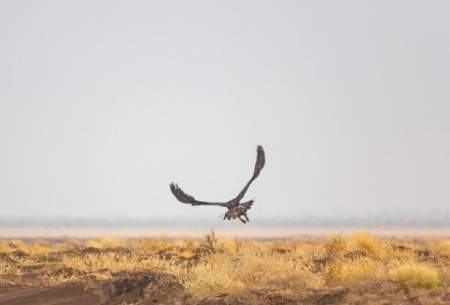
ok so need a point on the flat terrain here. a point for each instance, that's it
(358, 268)
(239, 231)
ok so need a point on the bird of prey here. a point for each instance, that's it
(236, 209)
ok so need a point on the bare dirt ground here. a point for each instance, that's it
(351, 269)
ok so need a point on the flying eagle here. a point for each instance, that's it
(236, 209)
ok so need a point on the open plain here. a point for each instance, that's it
(356, 268)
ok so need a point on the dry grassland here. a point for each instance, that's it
(359, 269)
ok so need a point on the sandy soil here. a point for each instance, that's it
(150, 288)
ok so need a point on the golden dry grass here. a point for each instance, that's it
(415, 275)
(226, 265)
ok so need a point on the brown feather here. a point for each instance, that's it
(259, 164)
(186, 198)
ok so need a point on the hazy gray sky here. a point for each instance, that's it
(104, 103)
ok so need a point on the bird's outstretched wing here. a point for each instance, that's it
(188, 199)
(260, 161)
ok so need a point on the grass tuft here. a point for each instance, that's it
(414, 275)
(372, 246)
